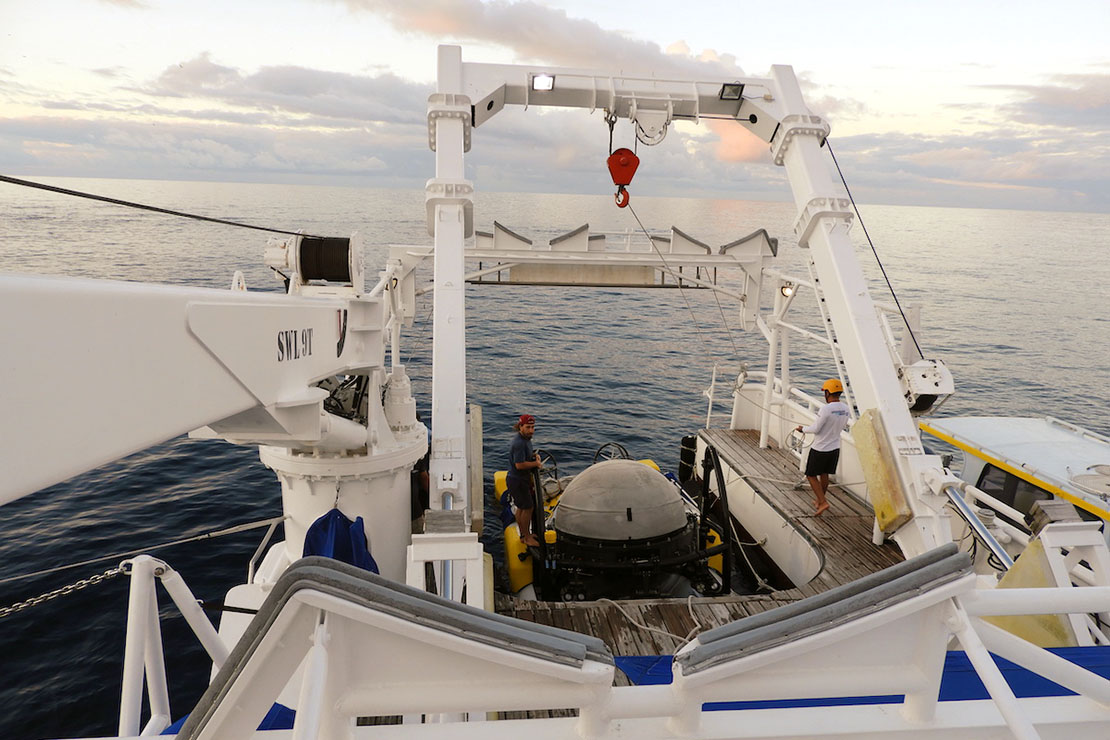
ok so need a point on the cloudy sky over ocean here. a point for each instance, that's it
(976, 103)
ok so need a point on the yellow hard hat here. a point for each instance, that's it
(832, 385)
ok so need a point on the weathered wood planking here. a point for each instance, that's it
(843, 533)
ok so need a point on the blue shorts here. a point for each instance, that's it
(520, 492)
(822, 463)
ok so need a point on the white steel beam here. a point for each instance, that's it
(823, 229)
(493, 86)
(130, 365)
(450, 222)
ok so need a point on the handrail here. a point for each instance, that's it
(262, 546)
(977, 527)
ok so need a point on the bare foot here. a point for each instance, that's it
(531, 541)
(822, 509)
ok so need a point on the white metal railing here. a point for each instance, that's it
(253, 564)
(143, 655)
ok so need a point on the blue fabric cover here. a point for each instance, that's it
(959, 682)
(335, 536)
(280, 717)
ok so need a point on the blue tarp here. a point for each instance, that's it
(280, 717)
(335, 536)
(959, 682)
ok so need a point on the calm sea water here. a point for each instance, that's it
(1014, 302)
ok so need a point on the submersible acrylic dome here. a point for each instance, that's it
(620, 500)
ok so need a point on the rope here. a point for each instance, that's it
(728, 330)
(693, 316)
(878, 261)
(195, 538)
(681, 640)
(155, 209)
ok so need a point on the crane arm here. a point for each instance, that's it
(96, 370)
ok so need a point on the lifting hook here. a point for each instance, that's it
(622, 166)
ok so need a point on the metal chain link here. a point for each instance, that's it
(63, 591)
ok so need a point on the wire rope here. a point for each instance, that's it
(195, 538)
(141, 206)
(875, 252)
(682, 292)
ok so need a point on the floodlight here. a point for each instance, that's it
(787, 289)
(543, 82)
(731, 91)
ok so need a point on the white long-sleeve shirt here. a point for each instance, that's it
(828, 425)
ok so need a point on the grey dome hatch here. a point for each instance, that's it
(620, 500)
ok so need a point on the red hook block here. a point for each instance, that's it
(622, 166)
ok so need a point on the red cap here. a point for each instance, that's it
(526, 419)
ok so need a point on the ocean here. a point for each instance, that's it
(1013, 301)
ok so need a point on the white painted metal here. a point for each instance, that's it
(138, 626)
(215, 349)
(194, 615)
(450, 220)
(373, 486)
(339, 659)
(306, 725)
(154, 666)
(461, 547)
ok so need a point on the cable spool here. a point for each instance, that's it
(325, 258)
(325, 261)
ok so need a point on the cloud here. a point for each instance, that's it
(291, 90)
(123, 148)
(737, 144)
(1010, 167)
(1075, 100)
(204, 119)
(536, 33)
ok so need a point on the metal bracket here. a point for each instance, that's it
(796, 125)
(651, 123)
(449, 105)
(439, 192)
(816, 209)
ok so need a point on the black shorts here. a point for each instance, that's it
(520, 492)
(822, 463)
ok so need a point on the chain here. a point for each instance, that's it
(63, 591)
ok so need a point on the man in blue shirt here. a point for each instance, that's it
(522, 461)
(824, 453)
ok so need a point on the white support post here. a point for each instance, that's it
(709, 395)
(772, 354)
(989, 674)
(920, 705)
(784, 374)
(134, 655)
(154, 661)
(448, 198)
(822, 226)
(194, 616)
(1064, 672)
(310, 706)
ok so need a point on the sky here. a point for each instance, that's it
(971, 103)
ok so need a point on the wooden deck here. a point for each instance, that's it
(842, 534)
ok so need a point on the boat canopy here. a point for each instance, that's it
(1043, 450)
